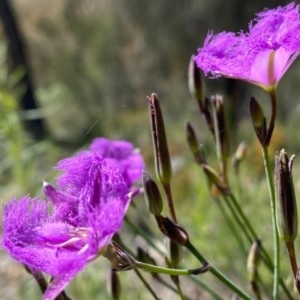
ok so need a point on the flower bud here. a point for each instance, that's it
(152, 195)
(120, 260)
(220, 126)
(297, 281)
(214, 179)
(172, 230)
(207, 113)
(196, 150)
(195, 80)
(50, 192)
(287, 218)
(258, 121)
(253, 260)
(161, 153)
(252, 266)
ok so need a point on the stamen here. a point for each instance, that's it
(83, 249)
(78, 234)
(66, 243)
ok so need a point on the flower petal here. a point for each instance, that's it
(57, 285)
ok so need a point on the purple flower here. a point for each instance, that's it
(260, 56)
(61, 235)
(129, 159)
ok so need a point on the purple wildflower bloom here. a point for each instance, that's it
(129, 159)
(262, 55)
(61, 235)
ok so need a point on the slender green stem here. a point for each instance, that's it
(159, 279)
(169, 286)
(246, 224)
(237, 217)
(218, 274)
(137, 230)
(245, 220)
(179, 289)
(145, 236)
(273, 212)
(194, 278)
(231, 226)
(146, 284)
(265, 256)
(168, 192)
(163, 270)
(207, 288)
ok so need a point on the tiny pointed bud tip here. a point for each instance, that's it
(45, 184)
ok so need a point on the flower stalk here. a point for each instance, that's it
(171, 271)
(218, 274)
(273, 215)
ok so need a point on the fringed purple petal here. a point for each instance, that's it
(57, 285)
(273, 40)
(114, 149)
(65, 206)
(75, 171)
(104, 185)
(33, 239)
(132, 167)
(130, 161)
(21, 217)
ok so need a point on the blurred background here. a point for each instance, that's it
(74, 70)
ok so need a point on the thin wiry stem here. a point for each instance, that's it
(146, 284)
(264, 254)
(231, 226)
(218, 274)
(273, 213)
